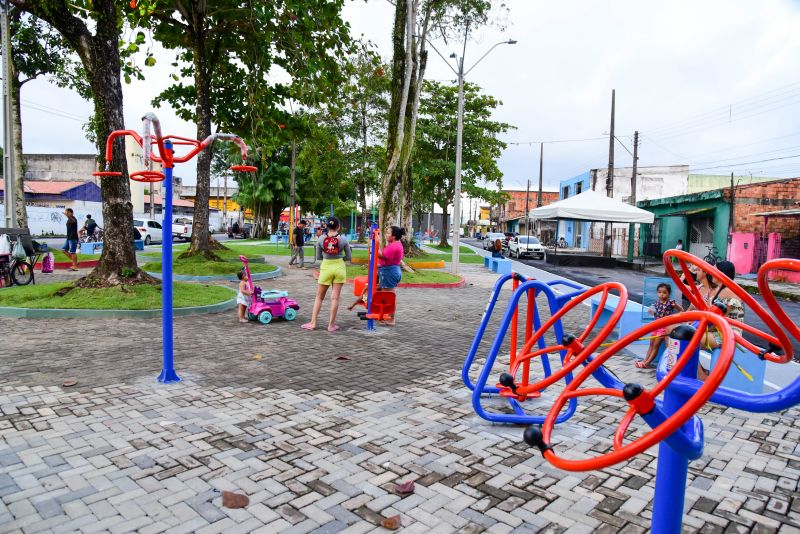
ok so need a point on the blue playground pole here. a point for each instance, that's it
(331, 210)
(373, 249)
(168, 373)
(672, 465)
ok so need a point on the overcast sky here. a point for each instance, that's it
(710, 83)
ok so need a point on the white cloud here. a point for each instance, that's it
(668, 61)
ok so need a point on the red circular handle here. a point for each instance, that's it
(769, 298)
(147, 176)
(645, 400)
(106, 173)
(780, 338)
(576, 351)
(243, 168)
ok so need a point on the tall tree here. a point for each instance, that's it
(436, 143)
(92, 29)
(228, 48)
(37, 50)
(414, 21)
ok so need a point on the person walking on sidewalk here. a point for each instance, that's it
(70, 247)
(298, 240)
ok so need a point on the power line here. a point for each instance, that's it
(746, 163)
(556, 141)
(726, 110)
(53, 111)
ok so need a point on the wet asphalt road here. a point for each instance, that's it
(634, 282)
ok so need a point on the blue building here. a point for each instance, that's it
(576, 233)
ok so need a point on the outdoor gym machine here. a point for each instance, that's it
(167, 158)
(672, 418)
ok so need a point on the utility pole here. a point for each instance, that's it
(733, 204)
(632, 227)
(9, 165)
(225, 203)
(291, 195)
(541, 164)
(610, 179)
(527, 217)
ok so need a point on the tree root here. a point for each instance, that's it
(128, 277)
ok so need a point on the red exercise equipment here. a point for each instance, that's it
(642, 401)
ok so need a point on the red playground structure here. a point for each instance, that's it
(380, 304)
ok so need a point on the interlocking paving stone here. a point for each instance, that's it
(318, 443)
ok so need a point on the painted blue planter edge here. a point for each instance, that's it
(224, 278)
(62, 313)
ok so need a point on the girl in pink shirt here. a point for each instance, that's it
(389, 260)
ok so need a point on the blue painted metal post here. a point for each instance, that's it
(168, 373)
(331, 210)
(373, 250)
(673, 466)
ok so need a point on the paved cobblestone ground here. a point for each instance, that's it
(317, 427)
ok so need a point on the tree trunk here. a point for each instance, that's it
(362, 186)
(201, 243)
(118, 260)
(444, 232)
(99, 54)
(402, 64)
(19, 171)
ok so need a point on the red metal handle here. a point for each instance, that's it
(674, 422)
(766, 293)
(693, 294)
(147, 176)
(576, 351)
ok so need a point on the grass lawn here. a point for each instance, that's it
(199, 266)
(462, 249)
(462, 258)
(61, 257)
(139, 297)
(429, 276)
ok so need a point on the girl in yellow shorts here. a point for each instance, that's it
(333, 249)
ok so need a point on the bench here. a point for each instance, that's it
(500, 265)
(90, 248)
(631, 318)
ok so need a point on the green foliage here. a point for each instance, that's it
(436, 143)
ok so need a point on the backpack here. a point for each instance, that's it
(330, 245)
(48, 262)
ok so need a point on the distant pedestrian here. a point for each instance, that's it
(71, 244)
(679, 246)
(298, 240)
(497, 249)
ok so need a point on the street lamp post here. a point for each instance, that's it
(459, 135)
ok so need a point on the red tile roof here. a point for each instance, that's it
(47, 187)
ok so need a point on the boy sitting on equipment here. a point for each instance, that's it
(362, 300)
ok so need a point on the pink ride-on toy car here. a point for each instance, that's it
(264, 305)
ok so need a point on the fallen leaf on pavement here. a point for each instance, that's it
(404, 488)
(234, 500)
(391, 523)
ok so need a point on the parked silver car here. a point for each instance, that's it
(491, 237)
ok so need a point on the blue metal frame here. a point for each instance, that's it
(168, 373)
(373, 248)
(480, 387)
(487, 313)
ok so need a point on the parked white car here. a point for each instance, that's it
(491, 237)
(521, 246)
(182, 228)
(151, 230)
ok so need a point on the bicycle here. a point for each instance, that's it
(15, 271)
(712, 257)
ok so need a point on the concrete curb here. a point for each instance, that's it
(436, 264)
(222, 278)
(64, 313)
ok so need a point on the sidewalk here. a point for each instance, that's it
(316, 428)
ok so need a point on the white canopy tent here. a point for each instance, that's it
(593, 206)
